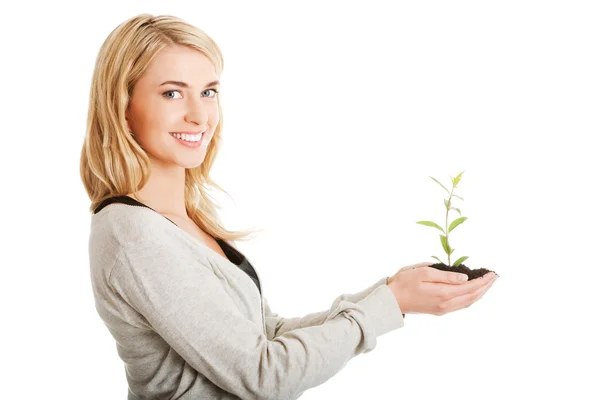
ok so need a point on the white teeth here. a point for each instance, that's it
(187, 137)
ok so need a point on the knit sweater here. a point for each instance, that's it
(191, 324)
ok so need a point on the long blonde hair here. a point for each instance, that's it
(112, 163)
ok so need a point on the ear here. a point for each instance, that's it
(128, 114)
(127, 119)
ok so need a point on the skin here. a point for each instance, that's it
(155, 110)
(421, 289)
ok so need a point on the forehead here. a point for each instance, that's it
(179, 63)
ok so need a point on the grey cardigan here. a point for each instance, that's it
(191, 324)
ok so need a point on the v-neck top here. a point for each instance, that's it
(233, 255)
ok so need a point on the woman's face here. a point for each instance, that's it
(166, 118)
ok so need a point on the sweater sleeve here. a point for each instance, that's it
(277, 325)
(189, 308)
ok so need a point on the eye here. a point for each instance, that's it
(214, 90)
(177, 91)
(171, 91)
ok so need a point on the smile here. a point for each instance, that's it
(187, 139)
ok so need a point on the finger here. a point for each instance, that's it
(468, 287)
(466, 300)
(414, 266)
(420, 265)
(485, 291)
(423, 264)
(479, 293)
(439, 276)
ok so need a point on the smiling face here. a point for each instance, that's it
(167, 118)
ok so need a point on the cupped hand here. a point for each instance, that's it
(421, 289)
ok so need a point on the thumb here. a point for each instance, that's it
(454, 278)
(418, 265)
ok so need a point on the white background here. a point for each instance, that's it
(336, 114)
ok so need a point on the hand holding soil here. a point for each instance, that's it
(420, 289)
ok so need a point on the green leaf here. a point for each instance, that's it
(432, 224)
(456, 222)
(437, 259)
(455, 195)
(454, 208)
(459, 261)
(451, 251)
(440, 184)
(457, 179)
(446, 203)
(445, 244)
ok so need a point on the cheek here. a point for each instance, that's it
(155, 120)
(156, 116)
(214, 116)
(151, 130)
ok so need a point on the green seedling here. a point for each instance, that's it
(445, 238)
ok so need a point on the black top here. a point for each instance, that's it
(233, 255)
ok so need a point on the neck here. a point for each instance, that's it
(165, 191)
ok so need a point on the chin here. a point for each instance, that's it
(190, 164)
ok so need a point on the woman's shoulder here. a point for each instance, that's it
(120, 225)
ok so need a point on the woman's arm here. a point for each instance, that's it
(189, 308)
(277, 325)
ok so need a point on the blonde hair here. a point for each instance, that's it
(112, 163)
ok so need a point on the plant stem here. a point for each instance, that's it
(448, 233)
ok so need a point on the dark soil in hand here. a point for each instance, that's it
(463, 269)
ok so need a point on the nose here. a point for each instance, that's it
(196, 113)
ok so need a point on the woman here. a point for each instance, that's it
(183, 304)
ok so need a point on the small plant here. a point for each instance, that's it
(445, 238)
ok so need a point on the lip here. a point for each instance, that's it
(190, 132)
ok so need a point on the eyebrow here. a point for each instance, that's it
(185, 85)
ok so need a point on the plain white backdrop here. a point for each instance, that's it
(335, 115)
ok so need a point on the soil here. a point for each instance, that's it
(463, 269)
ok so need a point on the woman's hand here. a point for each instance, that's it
(421, 289)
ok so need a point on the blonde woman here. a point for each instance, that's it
(184, 306)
